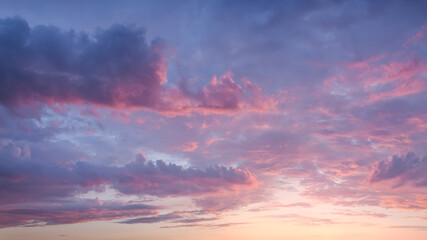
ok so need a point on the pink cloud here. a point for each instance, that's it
(29, 179)
(408, 168)
(115, 68)
(190, 146)
(419, 36)
(71, 212)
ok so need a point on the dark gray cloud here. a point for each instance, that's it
(36, 191)
(24, 179)
(114, 67)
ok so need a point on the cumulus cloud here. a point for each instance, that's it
(221, 93)
(405, 168)
(27, 179)
(115, 67)
(43, 192)
(160, 179)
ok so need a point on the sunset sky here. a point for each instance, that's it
(210, 119)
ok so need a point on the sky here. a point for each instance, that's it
(186, 120)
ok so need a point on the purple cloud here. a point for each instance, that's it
(408, 168)
(75, 211)
(26, 179)
(330, 95)
(44, 63)
(154, 219)
(115, 67)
